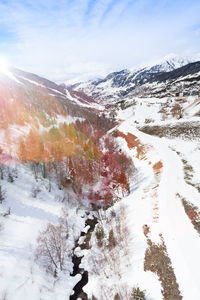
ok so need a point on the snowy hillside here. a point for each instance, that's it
(174, 197)
(150, 239)
(159, 230)
(55, 154)
(25, 211)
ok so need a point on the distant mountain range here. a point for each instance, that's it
(166, 78)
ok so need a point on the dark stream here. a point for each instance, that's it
(78, 288)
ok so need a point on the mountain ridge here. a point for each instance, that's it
(119, 84)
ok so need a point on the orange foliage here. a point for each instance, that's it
(55, 144)
(158, 166)
(134, 142)
(43, 141)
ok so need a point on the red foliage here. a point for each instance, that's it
(80, 154)
(82, 97)
(6, 159)
(192, 215)
(89, 130)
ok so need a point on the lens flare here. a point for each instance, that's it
(4, 65)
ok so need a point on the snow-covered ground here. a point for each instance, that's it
(181, 239)
(122, 268)
(21, 277)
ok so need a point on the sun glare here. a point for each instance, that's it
(4, 65)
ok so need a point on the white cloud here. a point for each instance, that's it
(85, 39)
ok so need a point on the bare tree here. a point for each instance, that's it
(10, 177)
(52, 249)
(35, 191)
(2, 194)
(4, 295)
(1, 172)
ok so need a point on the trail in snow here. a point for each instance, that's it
(182, 241)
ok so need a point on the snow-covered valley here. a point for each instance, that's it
(97, 201)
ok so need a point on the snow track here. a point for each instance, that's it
(182, 241)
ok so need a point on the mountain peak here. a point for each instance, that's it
(167, 63)
(124, 82)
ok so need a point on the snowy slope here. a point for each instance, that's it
(175, 203)
(21, 275)
(161, 216)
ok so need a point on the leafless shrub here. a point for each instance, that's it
(35, 191)
(7, 213)
(2, 194)
(67, 221)
(117, 291)
(113, 213)
(111, 239)
(64, 198)
(121, 228)
(116, 297)
(93, 298)
(112, 254)
(4, 295)
(147, 121)
(10, 177)
(100, 234)
(52, 250)
(1, 172)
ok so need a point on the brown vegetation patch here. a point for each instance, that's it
(176, 111)
(181, 100)
(192, 212)
(188, 175)
(146, 229)
(184, 130)
(192, 215)
(188, 172)
(134, 142)
(158, 261)
(158, 166)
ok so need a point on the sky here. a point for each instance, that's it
(84, 39)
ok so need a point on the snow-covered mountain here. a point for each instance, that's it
(118, 84)
(182, 81)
